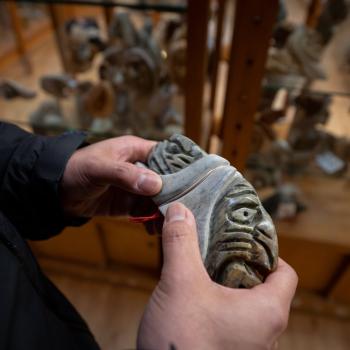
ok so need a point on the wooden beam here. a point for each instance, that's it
(313, 13)
(58, 15)
(108, 15)
(18, 32)
(254, 21)
(196, 66)
(217, 51)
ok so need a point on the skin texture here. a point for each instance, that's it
(190, 311)
(101, 179)
(187, 309)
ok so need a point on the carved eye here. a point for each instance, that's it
(243, 214)
(174, 148)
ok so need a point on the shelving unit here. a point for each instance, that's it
(316, 244)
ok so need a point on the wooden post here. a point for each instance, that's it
(20, 40)
(313, 13)
(59, 14)
(215, 69)
(108, 15)
(196, 66)
(217, 51)
(254, 21)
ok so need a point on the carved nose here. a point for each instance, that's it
(266, 227)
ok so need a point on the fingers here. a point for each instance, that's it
(126, 176)
(282, 283)
(180, 243)
(132, 148)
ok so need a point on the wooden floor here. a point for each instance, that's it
(113, 314)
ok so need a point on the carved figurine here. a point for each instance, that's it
(48, 119)
(237, 238)
(112, 70)
(10, 89)
(84, 41)
(312, 110)
(151, 114)
(123, 34)
(300, 56)
(99, 102)
(58, 85)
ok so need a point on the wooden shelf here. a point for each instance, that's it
(326, 218)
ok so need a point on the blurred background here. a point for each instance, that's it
(265, 84)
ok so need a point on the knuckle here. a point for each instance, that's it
(129, 138)
(121, 170)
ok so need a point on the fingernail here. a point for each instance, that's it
(175, 212)
(149, 183)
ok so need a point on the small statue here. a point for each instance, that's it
(10, 89)
(301, 55)
(84, 41)
(59, 85)
(312, 110)
(237, 238)
(99, 102)
(112, 70)
(151, 114)
(48, 119)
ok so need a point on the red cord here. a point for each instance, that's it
(142, 219)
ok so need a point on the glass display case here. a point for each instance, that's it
(300, 150)
(277, 106)
(107, 67)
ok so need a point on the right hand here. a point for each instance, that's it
(188, 310)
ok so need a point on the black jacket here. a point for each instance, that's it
(33, 313)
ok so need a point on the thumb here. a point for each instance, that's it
(127, 176)
(182, 258)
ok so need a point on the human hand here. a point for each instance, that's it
(188, 310)
(101, 179)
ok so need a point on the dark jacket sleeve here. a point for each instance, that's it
(31, 168)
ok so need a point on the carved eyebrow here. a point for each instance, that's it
(245, 202)
(240, 192)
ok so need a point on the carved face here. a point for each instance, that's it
(242, 241)
(243, 245)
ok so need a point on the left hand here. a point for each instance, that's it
(101, 179)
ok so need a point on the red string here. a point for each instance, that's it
(142, 219)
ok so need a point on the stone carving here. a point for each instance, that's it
(301, 55)
(48, 119)
(312, 110)
(143, 98)
(84, 41)
(99, 102)
(237, 238)
(10, 89)
(58, 85)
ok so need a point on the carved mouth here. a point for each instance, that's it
(245, 254)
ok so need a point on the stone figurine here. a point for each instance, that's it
(237, 238)
(83, 41)
(9, 89)
(58, 85)
(301, 55)
(48, 119)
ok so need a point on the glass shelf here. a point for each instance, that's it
(176, 6)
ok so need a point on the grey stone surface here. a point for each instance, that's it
(237, 238)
